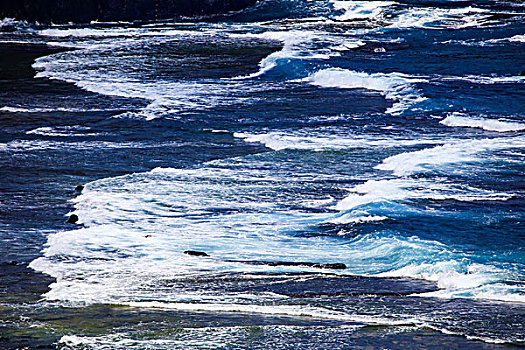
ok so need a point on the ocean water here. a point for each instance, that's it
(384, 135)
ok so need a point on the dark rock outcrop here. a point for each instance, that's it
(82, 11)
(73, 218)
(195, 253)
(333, 266)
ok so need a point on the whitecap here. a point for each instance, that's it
(87, 32)
(296, 45)
(35, 145)
(458, 119)
(394, 15)
(517, 38)
(280, 141)
(394, 86)
(12, 109)
(439, 18)
(359, 10)
(63, 131)
(401, 190)
(486, 80)
(462, 279)
(432, 159)
(351, 218)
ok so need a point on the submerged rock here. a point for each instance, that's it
(63, 11)
(333, 266)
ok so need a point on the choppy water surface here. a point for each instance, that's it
(387, 136)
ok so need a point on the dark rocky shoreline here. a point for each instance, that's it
(83, 11)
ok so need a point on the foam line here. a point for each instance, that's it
(394, 86)
(457, 119)
(281, 141)
(432, 159)
(278, 310)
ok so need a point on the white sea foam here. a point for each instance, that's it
(137, 226)
(356, 10)
(449, 274)
(11, 109)
(458, 119)
(166, 96)
(89, 68)
(487, 290)
(456, 276)
(35, 145)
(347, 45)
(351, 218)
(397, 16)
(64, 131)
(216, 337)
(90, 33)
(7, 21)
(473, 337)
(87, 32)
(280, 141)
(490, 42)
(518, 38)
(399, 190)
(486, 80)
(10, 22)
(395, 86)
(278, 310)
(439, 18)
(195, 338)
(12, 41)
(199, 337)
(515, 38)
(461, 279)
(296, 45)
(432, 159)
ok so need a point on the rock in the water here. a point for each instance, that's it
(79, 188)
(73, 218)
(85, 11)
(333, 266)
(195, 253)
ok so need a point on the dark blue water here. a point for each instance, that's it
(386, 136)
